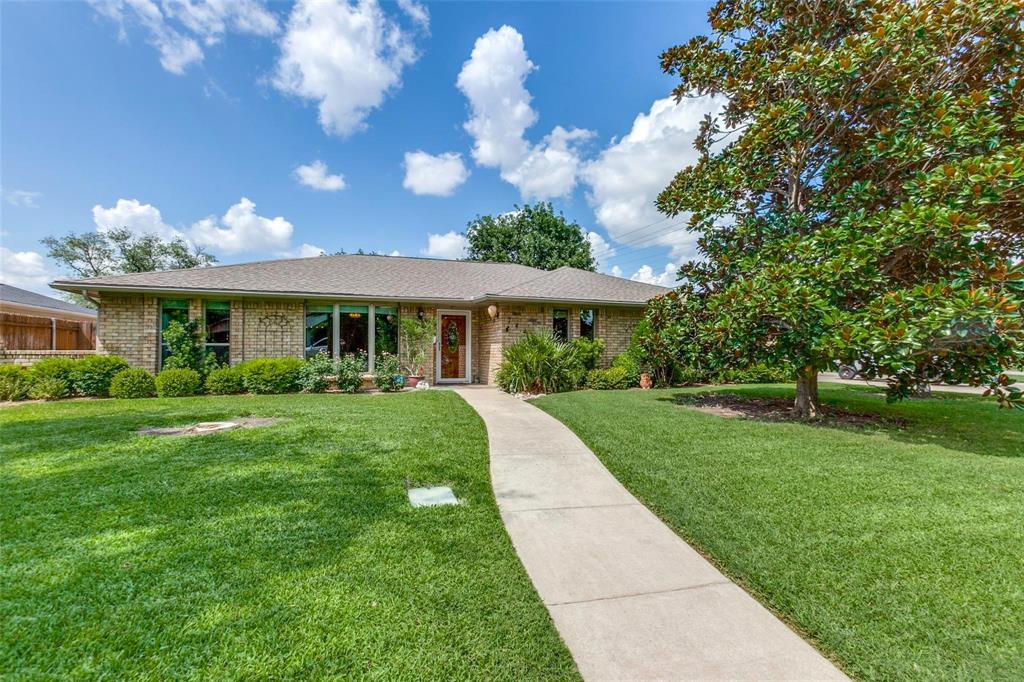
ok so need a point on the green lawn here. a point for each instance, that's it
(281, 552)
(901, 554)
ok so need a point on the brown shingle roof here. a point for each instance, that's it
(382, 277)
(11, 294)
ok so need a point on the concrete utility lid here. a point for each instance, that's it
(432, 497)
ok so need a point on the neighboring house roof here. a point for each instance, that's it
(24, 299)
(383, 277)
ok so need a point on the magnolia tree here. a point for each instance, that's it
(860, 196)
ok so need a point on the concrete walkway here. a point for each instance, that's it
(631, 599)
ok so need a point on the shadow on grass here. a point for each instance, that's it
(959, 422)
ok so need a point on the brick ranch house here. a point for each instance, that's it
(341, 304)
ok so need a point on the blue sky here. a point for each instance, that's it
(276, 130)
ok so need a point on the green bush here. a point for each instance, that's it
(15, 382)
(49, 388)
(133, 383)
(630, 364)
(315, 373)
(92, 375)
(755, 374)
(607, 379)
(178, 382)
(539, 363)
(689, 376)
(349, 370)
(588, 352)
(53, 368)
(271, 375)
(224, 381)
(388, 373)
(186, 349)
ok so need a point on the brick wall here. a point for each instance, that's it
(27, 358)
(129, 326)
(268, 329)
(615, 326)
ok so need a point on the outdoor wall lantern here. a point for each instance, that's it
(420, 314)
(492, 311)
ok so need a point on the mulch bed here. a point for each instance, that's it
(729, 405)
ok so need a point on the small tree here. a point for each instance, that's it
(532, 235)
(860, 197)
(186, 350)
(417, 339)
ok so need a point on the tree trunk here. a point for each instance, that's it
(806, 405)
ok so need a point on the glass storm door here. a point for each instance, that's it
(453, 345)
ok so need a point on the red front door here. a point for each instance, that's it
(452, 341)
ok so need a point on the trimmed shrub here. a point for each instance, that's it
(49, 388)
(315, 373)
(539, 363)
(271, 375)
(588, 352)
(133, 383)
(388, 373)
(178, 382)
(607, 379)
(755, 374)
(224, 381)
(630, 364)
(689, 376)
(15, 382)
(349, 370)
(92, 375)
(53, 368)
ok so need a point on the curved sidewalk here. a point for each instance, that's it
(630, 598)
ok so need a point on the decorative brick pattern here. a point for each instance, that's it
(129, 326)
(269, 329)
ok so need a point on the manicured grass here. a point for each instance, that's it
(901, 554)
(285, 552)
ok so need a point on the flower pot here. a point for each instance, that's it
(412, 380)
(645, 381)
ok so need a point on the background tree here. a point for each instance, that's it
(95, 254)
(530, 235)
(860, 197)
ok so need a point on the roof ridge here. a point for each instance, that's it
(544, 273)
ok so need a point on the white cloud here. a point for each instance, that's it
(348, 57)
(176, 42)
(25, 269)
(438, 176)
(135, 216)
(396, 252)
(317, 176)
(211, 19)
(241, 229)
(493, 80)
(627, 176)
(450, 245)
(417, 12)
(666, 278)
(616, 271)
(600, 248)
(302, 251)
(22, 198)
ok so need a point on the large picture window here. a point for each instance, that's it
(171, 310)
(319, 330)
(560, 325)
(385, 330)
(218, 330)
(588, 323)
(354, 329)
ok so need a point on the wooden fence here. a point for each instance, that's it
(23, 332)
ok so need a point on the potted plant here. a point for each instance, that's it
(417, 339)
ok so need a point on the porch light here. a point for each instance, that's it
(492, 311)
(420, 314)
(355, 316)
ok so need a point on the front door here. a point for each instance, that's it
(453, 343)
